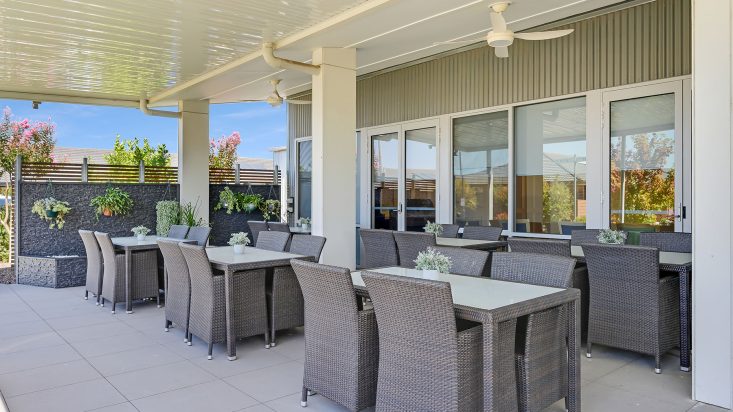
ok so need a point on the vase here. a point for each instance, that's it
(431, 274)
(140, 237)
(238, 249)
(107, 212)
(51, 214)
(306, 227)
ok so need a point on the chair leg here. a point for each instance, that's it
(304, 397)
(272, 338)
(657, 363)
(167, 325)
(211, 350)
(86, 295)
(267, 340)
(190, 339)
(588, 353)
(98, 298)
(101, 301)
(158, 298)
(185, 337)
(114, 306)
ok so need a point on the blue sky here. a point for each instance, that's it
(260, 125)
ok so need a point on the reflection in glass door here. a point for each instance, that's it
(385, 179)
(643, 165)
(420, 175)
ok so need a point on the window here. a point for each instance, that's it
(550, 166)
(480, 164)
(305, 168)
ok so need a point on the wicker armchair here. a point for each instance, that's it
(275, 241)
(533, 268)
(278, 227)
(584, 237)
(667, 241)
(255, 227)
(380, 249)
(341, 345)
(409, 244)
(207, 318)
(285, 299)
(178, 231)
(427, 361)
(95, 271)
(631, 307)
(490, 233)
(467, 261)
(449, 230)
(178, 286)
(143, 279)
(200, 234)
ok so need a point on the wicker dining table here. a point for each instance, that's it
(131, 244)
(680, 263)
(471, 243)
(497, 305)
(232, 264)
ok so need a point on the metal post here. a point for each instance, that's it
(142, 172)
(84, 170)
(236, 173)
(16, 209)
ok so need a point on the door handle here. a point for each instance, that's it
(399, 209)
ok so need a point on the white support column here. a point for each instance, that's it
(712, 206)
(193, 154)
(334, 151)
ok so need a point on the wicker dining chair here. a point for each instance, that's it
(449, 230)
(341, 344)
(541, 357)
(584, 236)
(144, 274)
(490, 233)
(200, 234)
(178, 232)
(380, 249)
(207, 319)
(631, 306)
(255, 227)
(410, 244)
(275, 241)
(278, 227)
(467, 261)
(667, 241)
(285, 299)
(178, 287)
(428, 361)
(95, 271)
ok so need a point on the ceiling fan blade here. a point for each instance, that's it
(498, 24)
(459, 41)
(502, 52)
(543, 35)
(298, 101)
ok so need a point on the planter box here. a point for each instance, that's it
(52, 272)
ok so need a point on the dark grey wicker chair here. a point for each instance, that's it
(285, 299)
(427, 361)
(207, 318)
(541, 357)
(200, 234)
(409, 244)
(584, 236)
(178, 286)
(449, 230)
(278, 227)
(631, 307)
(144, 274)
(380, 249)
(95, 271)
(341, 344)
(255, 227)
(178, 231)
(467, 261)
(491, 233)
(667, 241)
(275, 241)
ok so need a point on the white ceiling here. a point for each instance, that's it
(188, 49)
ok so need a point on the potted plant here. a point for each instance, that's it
(434, 228)
(239, 241)
(432, 262)
(167, 214)
(190, 215)
(270, 208)
(114, 201)
(228, 200)
(51, 210)
(140, 232)
(611, 237)
(305, 222)
(250, 202)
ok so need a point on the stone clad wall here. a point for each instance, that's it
(222, 224)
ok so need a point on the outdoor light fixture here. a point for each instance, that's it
(36, 103)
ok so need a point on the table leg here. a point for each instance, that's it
(573, 400)
(229, 300)
(128, 280)
(491, 333)
(684, 317)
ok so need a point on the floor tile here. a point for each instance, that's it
(111, 344)
(291, 403)
(120, 407)
(270, 383)
(256, 408)
(71, 398)
(604, 361)
(6, 320)
(703, 407)
(159, 379)
(111, 328)
(597, 397)
(246, 361)
(31, 327)
(216, 396)
(47, 377)
(80, 320)
(127, 361)
(37, 357)
(291, 344)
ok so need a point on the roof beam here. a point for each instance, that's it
(63, 98)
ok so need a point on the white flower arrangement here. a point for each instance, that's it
(304, 221)
(432, 227)
(241, 238)
(431, 259)
(612, 237)
(140, 231)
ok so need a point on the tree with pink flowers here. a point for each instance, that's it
(223, 152)
(32, 140)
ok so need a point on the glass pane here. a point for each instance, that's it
(358, 178)
(305, 168)
(480, 164)
(420, 171)
(385, 172)
(550, 167)
(643, 164)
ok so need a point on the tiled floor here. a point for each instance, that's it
(59, 353)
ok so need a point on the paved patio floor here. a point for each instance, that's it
(59, 353)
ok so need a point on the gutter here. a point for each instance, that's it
(151, 112)
(280, 63)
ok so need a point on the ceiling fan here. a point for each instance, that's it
(275, 99)
(500, 37)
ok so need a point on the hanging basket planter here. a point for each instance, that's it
(51, 214)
